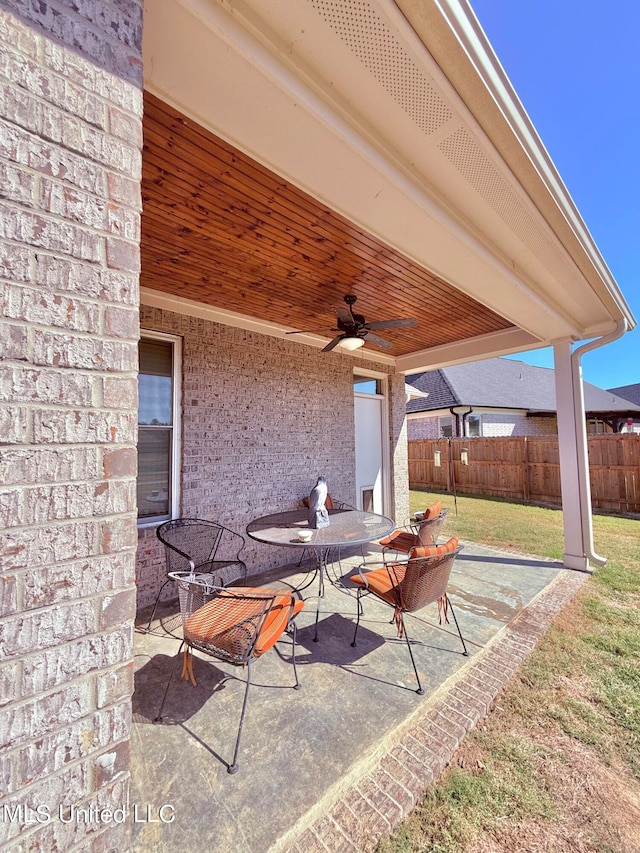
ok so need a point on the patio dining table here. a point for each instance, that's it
(346, 527)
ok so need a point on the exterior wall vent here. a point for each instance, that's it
(369, 37)
(466, 155)
(462, 150)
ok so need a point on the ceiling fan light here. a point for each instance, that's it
(352, 343)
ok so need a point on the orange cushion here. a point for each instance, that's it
(382, 582)
(432, 511)
(435, 550)
(401, 540)
(230, 624)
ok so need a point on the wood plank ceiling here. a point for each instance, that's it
(221, 229)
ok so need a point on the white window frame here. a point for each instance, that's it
(446, 418)
(466, 425)
(176, 443)
(383, 384)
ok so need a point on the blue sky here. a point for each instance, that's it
(574, 66)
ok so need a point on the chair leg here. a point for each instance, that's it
(155, 606)
(297, 685)
(355, 633)
(158, 718)
(233, 767)
(453, 613)
(420, 690)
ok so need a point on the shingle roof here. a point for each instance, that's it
(628, 392)
(433, 383)
(503, 383)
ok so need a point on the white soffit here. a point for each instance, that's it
(343, 100)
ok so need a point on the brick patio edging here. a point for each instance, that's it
(383, 796)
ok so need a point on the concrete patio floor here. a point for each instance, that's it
(339, 762)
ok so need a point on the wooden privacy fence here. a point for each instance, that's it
(527, 468)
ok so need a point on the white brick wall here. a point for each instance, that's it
(70, 139)
(507, 424)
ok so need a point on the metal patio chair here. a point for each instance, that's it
(416, 533)
(409, 586)
(232, 624)
(193, 544)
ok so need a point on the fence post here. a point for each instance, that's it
(527, 487)
(453, 475)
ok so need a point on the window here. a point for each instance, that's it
(158, 396)
(446, 429)
(366, 385)
(473, 426)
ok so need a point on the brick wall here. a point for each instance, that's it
(262, 418)
(425, 427)
(399, 448)
(70, 138)
(505, 424)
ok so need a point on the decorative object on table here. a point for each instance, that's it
(354, 329)
(318, 514)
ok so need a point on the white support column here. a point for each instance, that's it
(574, 464)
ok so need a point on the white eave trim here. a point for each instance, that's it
(499, 343)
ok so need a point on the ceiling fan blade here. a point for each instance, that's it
(403, 323)
(333, 343)
(377, 341)
(345, 315)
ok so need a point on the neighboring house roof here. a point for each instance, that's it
(628, 392)
(504, 383)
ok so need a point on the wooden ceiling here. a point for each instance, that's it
(221, 229)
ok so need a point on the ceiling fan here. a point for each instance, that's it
(353, 328)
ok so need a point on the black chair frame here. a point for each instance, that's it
(198, 545)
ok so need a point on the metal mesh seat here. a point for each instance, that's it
(232, 624)
(409, 586)
(192, 544)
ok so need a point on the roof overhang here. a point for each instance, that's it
(401, 122)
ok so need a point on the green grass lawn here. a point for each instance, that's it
(572, 713)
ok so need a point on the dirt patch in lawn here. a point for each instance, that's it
(597, 808)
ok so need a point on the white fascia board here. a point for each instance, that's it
(431, 413)
(499, 343)
(270, 112)
(191, 308)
